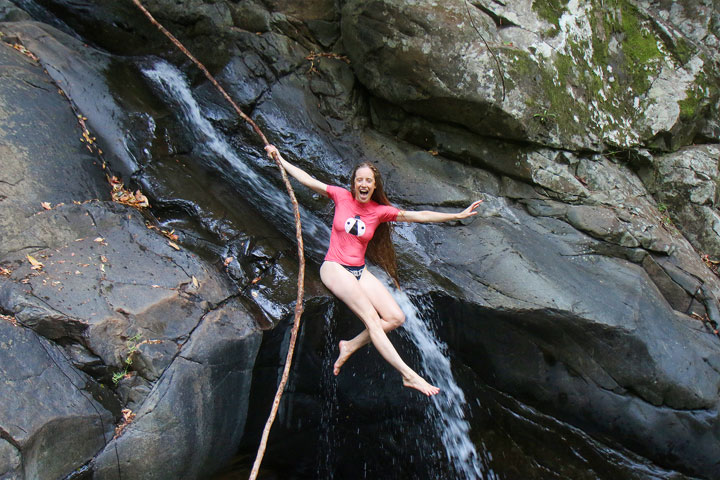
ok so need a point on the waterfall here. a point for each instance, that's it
(172, 86)
(448, 417)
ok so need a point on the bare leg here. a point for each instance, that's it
(390, 314)
(344, 285)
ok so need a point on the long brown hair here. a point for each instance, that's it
(381, 250)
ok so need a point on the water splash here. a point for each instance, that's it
(449, 416)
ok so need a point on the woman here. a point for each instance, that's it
(360, 215)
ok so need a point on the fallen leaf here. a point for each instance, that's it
(195, 282)
(35, 264)
(228, 260)
(141, 200)
(103, 259)
(6, 272)
(254, 293)
(173, 245)
(128, 417)
(46, 205)
(256, 280)
(99, 240)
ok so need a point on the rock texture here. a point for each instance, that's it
(103, 312)
(590, 129)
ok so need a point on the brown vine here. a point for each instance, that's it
(298, 236)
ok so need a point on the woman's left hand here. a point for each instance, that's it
(470, 211)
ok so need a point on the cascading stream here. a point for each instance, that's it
(172, 85)
(449, 417)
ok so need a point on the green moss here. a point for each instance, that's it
(551, 104)
(639, 43)
(550, 10)
(691, 106)
(682, 49)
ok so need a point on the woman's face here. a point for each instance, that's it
(364, 185)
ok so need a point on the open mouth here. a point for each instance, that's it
(363, 192)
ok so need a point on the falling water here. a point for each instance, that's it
(173, 86)
(329, 389)
(449, 417)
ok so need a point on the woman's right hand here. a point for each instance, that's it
(272, 151)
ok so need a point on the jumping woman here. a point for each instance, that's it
(360, 216)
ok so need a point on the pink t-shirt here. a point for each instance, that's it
(353, 226)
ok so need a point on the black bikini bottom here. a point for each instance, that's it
(357, 271)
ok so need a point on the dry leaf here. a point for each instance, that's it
(46, 205)
(173, 245)
(254, 294)
(195, 282)
(35, 264)
(6, 272)
(99, 240)
(228, 260)
(128, 417)
(256, 280)
(103, 259)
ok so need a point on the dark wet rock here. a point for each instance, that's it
(9, 12)
(43, 170)
(525, 345)
(79, 71)
(192, 420)
(113, 296)
(44, 398)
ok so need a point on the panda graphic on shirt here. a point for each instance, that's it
(355, 226)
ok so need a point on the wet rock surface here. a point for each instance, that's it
(571, 305)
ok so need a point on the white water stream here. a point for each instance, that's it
(172, 84)
(449, 417)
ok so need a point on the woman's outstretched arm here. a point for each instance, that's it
(298, 173)
(427, 216)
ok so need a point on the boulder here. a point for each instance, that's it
(55, 418)
(569, 77)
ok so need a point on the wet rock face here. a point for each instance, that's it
(569, 295)
(44, 398)
(101, 311)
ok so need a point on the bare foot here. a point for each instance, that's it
(342, 357)
(419, 383)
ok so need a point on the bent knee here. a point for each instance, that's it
(396, 319)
